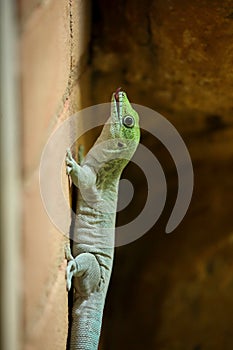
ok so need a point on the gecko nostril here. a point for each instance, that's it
(120, 144)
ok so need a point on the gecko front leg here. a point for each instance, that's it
(81, 176)
(72, 167)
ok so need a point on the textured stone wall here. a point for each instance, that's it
(174, 292)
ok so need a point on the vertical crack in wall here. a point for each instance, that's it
(76, 69)
(71, 43)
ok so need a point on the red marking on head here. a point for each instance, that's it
(117, 94)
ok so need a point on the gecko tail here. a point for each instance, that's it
(86, 322)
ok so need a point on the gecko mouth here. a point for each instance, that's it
(118, 101)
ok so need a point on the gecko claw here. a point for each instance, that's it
(68, 284)
(68, 152)
(68, 254)
(70, 271)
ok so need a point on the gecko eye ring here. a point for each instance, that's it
(128, 121)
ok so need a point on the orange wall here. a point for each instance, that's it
(53, 44)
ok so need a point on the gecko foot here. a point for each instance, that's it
(70, 162)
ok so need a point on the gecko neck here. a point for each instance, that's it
(108, 175)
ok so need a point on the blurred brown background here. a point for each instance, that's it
(174, 291)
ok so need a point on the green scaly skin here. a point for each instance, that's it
(97, 179)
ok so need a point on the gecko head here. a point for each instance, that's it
(120, 135)
(124, 123)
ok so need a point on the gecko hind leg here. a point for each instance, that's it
(86, 271)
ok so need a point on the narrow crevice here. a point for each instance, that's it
(74, 196)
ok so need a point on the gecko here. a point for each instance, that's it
(97, 179)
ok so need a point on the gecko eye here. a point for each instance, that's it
(128, 121)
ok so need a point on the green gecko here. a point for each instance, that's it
(97, 178)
